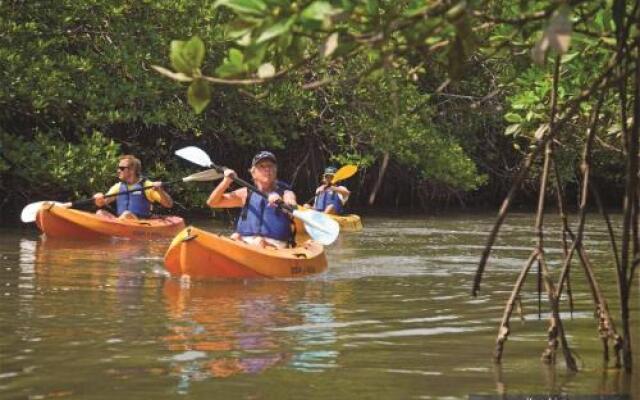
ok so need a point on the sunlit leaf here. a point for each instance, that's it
(512, 117)
(540, 132)
(456, 11)
(512, 129)
(330, 45)
(318, 14)
(266, 70)
(568, 57)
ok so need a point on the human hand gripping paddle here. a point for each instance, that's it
(320, 227)
(30, 211)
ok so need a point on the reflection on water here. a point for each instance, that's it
(392, 318)
(220, 329)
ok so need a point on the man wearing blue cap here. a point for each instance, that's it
(261, 222)
(330, 198)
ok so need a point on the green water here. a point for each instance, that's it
(391, 319)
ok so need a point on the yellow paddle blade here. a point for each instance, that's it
(345, 172)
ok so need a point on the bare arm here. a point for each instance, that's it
(165, 199)
(219, 199)
(343, 191)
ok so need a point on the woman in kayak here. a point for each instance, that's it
(261, 222)
(329, 198)
(135, 204)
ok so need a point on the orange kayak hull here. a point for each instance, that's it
(201, 254)
(59, 222)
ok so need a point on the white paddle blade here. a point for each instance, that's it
(321, 228)
(30, 211)
(195, 155)
(204, 176)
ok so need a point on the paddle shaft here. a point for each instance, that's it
(91, 200)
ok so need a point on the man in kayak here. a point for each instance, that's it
(330, 198)
(261, 222)
(135, 204)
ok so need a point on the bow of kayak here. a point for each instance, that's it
(60, 222)
(202, 254)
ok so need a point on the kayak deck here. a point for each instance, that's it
(202, 254)
(61, 222)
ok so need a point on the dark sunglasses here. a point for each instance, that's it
(121, 168)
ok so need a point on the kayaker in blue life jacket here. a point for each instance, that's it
(135, 204)
(261, 222)
(330, 198)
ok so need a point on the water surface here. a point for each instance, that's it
(392, 318)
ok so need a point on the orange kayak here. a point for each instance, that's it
(348, 222)
(60, 222)
(201, 254)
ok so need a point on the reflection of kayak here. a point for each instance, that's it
(348, 222)
(202, 254)
(60, 222)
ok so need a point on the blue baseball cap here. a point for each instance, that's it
(263, 155)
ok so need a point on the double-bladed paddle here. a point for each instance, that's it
(30, 211)
(320, 227)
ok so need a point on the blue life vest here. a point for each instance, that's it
(257, 218)
(327, 197)
(135, 202)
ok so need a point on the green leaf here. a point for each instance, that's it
(254, 55)
(318, 14)
(276, 29)
(513, 118)
(233, 64)
(193, 51)
(415, 10)
(236, 57)
(199, 95)
(227, 69)
(254, 7)
(178, 62)
(568, 57)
